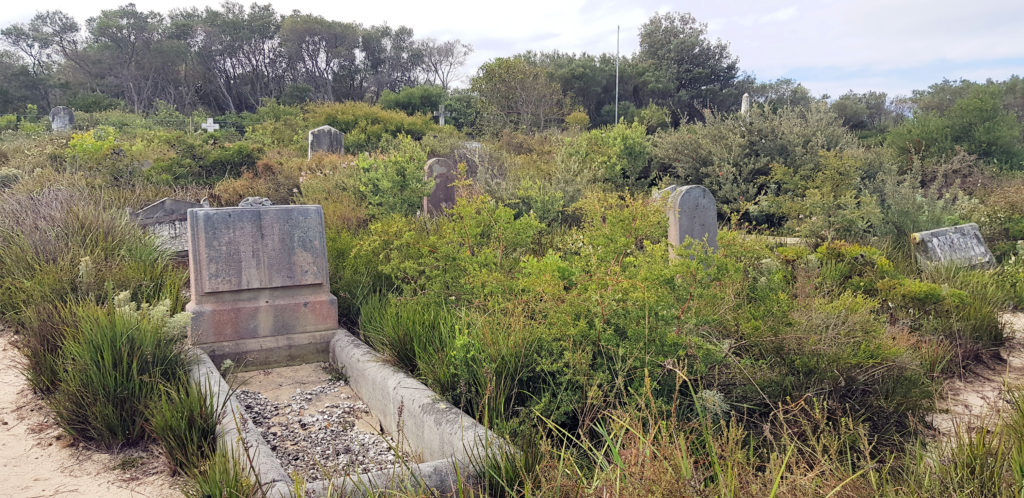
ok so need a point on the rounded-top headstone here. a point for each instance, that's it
(693, 214)
(62, 118)
(442, 172)
(326, 140)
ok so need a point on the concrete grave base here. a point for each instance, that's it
(270, 352)
(449, 440)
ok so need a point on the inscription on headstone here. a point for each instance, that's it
(259, 280)
(442, 172)
(961, 245)
(62, 118)
(326, 140)
(692, 214)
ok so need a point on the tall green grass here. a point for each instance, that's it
(115, 360)
(183, 419)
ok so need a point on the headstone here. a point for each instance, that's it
(326, 140)
(250, 202)
(166, 219)
(442, 172)
(210, 126)
(692, 214)
(440, 115)
(62, 118)
(259, 284)
(745, 104)
(961, 245)
(664, 193)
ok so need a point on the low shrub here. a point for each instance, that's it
(115, 359)
(184, 421)
(266, 179)
(222, 477)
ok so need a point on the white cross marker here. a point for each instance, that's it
(209, 125)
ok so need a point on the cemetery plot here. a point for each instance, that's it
(315, 423)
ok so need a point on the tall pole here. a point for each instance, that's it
(616, 74)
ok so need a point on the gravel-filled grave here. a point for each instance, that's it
(315, 424)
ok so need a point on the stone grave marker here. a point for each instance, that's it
(325, 140)
(664, 193)
(692, 214)
(745, 104)
(62, 118)
(442, 172)
(249, 202)
(440, 115)
(166, 219)
(960, 245)
(259, 284)
(210, 126)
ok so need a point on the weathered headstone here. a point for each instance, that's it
(692, 214)
(326, 140)
(745, 104)
(166, 219)
(961, 245)
(442, 172)
(259, 284)
(440, 115)
(62, 118)
(210, 126)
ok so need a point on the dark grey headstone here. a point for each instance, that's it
(961, 245)
(442, 172)
(326, 140)
(166, 219)
(62, 118)
(692, 214)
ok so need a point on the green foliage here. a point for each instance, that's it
(93, 102)
(412, 100)
(113, 363)
(619, 154)
(183, 420)
(222, 477)
(978, 123)
(393, 181)
(92, 147)
(578, 120)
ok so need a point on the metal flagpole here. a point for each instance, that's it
(616, 74)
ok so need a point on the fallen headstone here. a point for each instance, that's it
(442, 172)
(692, 214)
(326, 140)
(166, 219)
(62, 118)
(960, 245)
(259, 284)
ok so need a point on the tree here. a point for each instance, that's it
(391, 59)
(442, 60)
(684, 71)
(783, 92)
(519, 94)
(317, 49)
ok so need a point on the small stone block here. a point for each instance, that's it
(960, 245)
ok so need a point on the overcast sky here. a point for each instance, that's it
(831, 46)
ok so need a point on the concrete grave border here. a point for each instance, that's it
(448, 439)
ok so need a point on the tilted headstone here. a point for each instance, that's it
(326, 140)
(166, 219)
(692, 214)
(961, 245)
(259, 283)
(62, 118)
(442, 172)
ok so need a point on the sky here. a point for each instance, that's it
(831, 46)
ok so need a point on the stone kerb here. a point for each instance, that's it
(260, 291)
(442, 172)
(325, 140)
(960, 245)
(692, 214)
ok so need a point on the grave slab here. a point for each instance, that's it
(960, 245)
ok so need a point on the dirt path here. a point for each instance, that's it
(38, 459)
(977, 400)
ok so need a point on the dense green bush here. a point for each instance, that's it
(392, 181)
(412, 100)
(619, 154)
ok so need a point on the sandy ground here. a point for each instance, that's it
(38, 459)
(978, 399)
